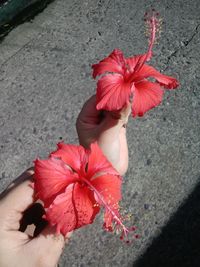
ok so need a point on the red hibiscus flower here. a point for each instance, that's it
(127, 78)
(74, 183)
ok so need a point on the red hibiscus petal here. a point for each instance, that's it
(147, 95)
(51, 177)
(72, 209)
(134, 62)
(107, 189)
(72, 155)
(98, 163)
(112, 92)
(147, 71)
(107, 192)
(115, 62)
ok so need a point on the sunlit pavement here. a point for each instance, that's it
(45, 77)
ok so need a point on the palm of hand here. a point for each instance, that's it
(25, 248)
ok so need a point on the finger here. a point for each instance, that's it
(15, 201)
(24, 176)
(51, 243)
(116, 119)
(123, 161)
(121, 116)
(89, 114)
(115, 149)
(113, 138)
(125, 113)
(20, 196)
(87, 122)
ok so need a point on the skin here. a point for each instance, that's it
(26, 239)
(108, 129)
(21, 249)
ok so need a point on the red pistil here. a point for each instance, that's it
(152, 22)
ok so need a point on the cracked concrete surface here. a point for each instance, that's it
(45, 77)
(182, 45)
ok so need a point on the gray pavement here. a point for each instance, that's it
(45, 77)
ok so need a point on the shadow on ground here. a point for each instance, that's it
(15, 12)
(179, 243)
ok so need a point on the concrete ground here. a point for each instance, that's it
(45, 77)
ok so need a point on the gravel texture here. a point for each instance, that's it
(45, 77)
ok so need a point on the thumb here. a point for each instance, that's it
(15, 200)
(125, 113)
(49, 246)
(116, 119)
(112, 138)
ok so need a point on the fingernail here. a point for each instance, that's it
(68, 236)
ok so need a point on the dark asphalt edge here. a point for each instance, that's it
(26, 14)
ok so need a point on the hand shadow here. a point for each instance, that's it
(32, 221)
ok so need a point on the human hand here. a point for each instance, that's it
(19, 248)
(108, 129)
